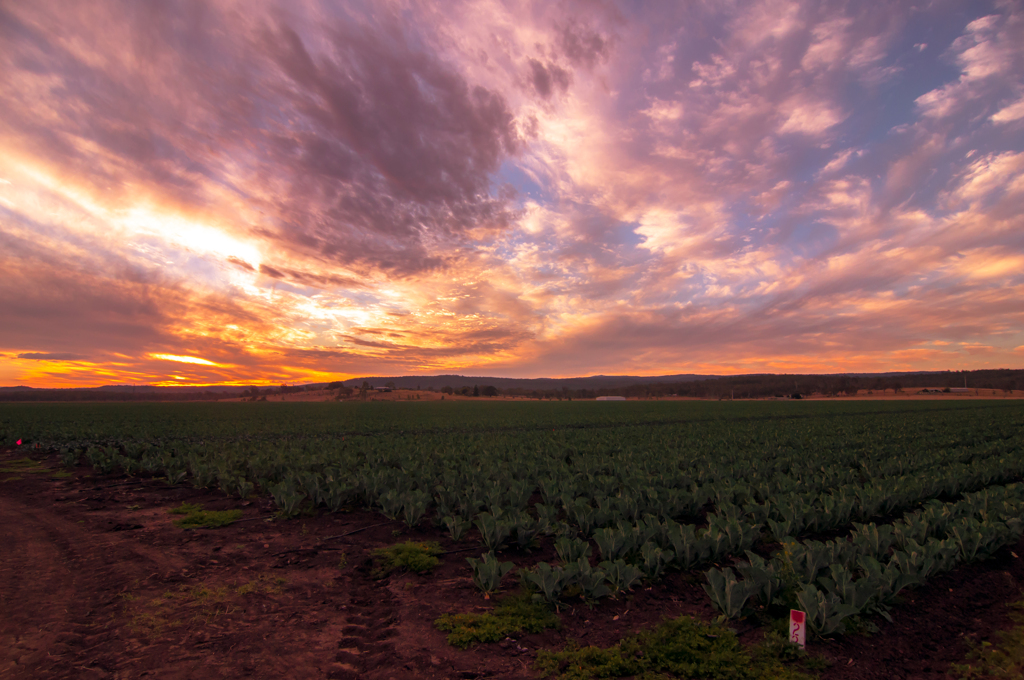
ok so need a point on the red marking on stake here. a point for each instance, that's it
(19, 442)
(797, 629)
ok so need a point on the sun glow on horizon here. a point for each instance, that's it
(184, 360)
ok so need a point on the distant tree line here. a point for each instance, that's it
(474, 391)
(739, 387)
(764, 386)
(786, 386)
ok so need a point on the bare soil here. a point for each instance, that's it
(95, 582)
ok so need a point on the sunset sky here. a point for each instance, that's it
(267, 192)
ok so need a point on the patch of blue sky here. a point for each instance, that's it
(206, 270)
(810, 239)
(511, 173)
(363, 299)
(922, 55)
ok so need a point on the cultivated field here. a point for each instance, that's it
(257, 539)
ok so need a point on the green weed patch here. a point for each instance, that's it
(1003, 659)
(680, 647)
(263, 585)
(419, 557)
(23, 466)
(512, 616)
(195, 517)
(186, 509)
(200, 603)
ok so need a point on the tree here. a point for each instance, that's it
(489, 391)
(390, 384)
(476, 391)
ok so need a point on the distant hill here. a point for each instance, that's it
(121, 393)
(684, 384)
(594, 382)
(169, 389)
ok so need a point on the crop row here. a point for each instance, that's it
(835, 580)
(858, 574)
(643, 490)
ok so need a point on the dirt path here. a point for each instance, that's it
(95, 582)
(38, 569)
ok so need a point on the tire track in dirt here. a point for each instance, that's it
(33, 568)
(49, 629)
(366, 649)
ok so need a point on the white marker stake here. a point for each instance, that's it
(797, 629)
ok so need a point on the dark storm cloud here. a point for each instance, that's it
(582, 45)
(395, 112)
(545, 79)
(395, 147)
(308, 278)
(364, 151)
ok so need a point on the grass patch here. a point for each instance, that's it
(1002, 659)
(186, 509)
(263, 585)
(12, 479)
(62, 474)
(152, 623)
(512, 615)
(195, 516)
(417, 556)
(23, 466)
(196, 604)
(205, 595)
(211, 519)
(680, 647)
